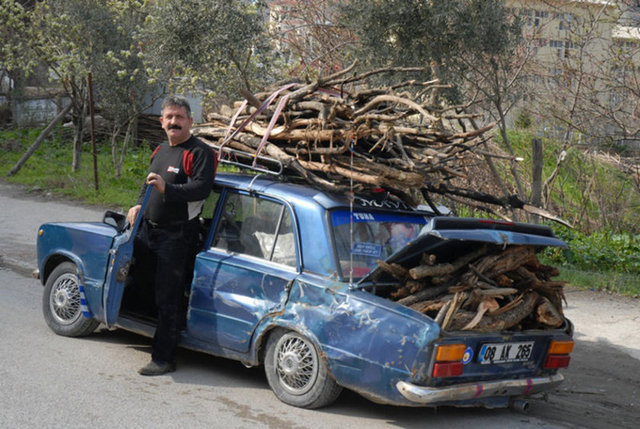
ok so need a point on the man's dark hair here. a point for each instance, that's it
(178, 101)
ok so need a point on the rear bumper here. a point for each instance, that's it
(469, 391)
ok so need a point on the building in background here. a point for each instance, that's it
(583, 66)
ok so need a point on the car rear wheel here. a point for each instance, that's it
(61, 303)
(296, 373)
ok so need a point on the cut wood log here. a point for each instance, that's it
(424, 294)
(501, 322)
(486, 305)
(396, 271)
(427, 270)
(548, 315)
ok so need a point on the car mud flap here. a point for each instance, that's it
(84, 307)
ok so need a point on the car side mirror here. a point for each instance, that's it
(116, 220)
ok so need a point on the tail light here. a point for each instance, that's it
(449, 360)
(558, 354)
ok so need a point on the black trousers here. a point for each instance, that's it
(164, 257)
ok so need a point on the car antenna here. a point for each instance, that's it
(351, 198)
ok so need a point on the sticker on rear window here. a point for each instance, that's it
(366, 249)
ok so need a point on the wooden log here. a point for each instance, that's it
(423, 271)
(504, 321)
(398, 100)
(425, 307)
(512, 258)
(547, 314)
(483, 307)
(397, 271)
(456, 303)
(424, 294)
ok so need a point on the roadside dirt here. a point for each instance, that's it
(602, 384)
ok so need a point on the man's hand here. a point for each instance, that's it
(156, 181)
(133, 214)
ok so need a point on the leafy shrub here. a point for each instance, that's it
(600, 251)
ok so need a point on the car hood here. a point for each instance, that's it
(450, 235)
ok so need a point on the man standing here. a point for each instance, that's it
(182, 172)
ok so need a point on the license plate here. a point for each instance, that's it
(505, 352)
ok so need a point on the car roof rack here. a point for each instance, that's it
(245, 161)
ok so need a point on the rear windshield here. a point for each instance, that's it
(365, 237)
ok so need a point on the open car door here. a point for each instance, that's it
(118, 266)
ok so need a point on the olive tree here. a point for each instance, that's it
(212, 47)
(76, 37)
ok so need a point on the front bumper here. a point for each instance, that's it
(469, 391)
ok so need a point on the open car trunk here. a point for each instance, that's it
(475, 275)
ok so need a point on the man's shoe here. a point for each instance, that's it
(157, 368)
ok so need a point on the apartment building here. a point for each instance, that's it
(583, 63)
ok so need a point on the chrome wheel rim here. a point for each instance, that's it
(64, 300)
(296, 364)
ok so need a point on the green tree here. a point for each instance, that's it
(428, 33)
(214, 47)
(73, 38)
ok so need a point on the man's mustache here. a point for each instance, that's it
(174, 127)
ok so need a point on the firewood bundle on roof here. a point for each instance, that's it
(485, 290)
(387, 137)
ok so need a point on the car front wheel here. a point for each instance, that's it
(295, 372)
(61, 303)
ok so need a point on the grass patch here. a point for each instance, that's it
(49, 169)
(588, 191)
(621, 283)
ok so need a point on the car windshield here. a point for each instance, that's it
(370, 236)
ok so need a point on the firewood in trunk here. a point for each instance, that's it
(443, 312)
(425, 307)
(543, 272)
(422, 271)
(509, 260)
(401, 292)
(397, 271)
(428, 259)
(504, 321)
(484, 306)
(552, 290)
(547, 314)
(424, 294)
(415, 286)
(456, 303)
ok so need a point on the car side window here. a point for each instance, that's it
(258, 227)
(209, 206)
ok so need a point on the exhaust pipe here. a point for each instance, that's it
(520, 405)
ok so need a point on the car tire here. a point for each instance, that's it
(61, 303)
(296, 373)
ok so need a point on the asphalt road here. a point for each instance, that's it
(48, 380)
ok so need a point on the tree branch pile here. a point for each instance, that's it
(388, 137)
(485, 290)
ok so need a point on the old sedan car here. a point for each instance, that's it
(288, 277)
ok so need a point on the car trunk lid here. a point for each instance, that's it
(448, 236)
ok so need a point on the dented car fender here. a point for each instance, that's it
(362, 340)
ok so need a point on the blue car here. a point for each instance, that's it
(289, 277)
